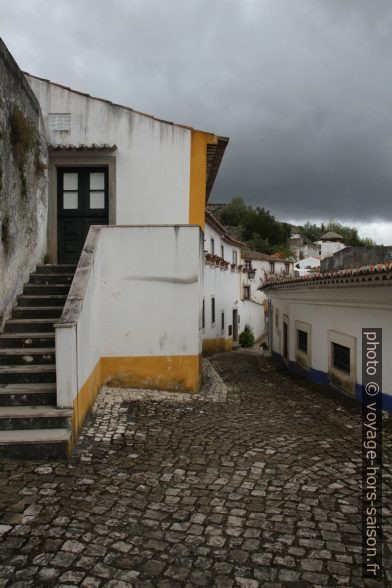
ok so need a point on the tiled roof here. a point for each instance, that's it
(82, 147)
(359, 275)
(330, 235)
(215, 224)
(214, 151)
(261, 256)
(214, 158)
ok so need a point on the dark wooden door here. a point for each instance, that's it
(285, 341)
(82, 201)
(235, 325)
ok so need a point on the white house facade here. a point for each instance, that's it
(316, 324)
(120, 301)
(306, 265)
(225, 308)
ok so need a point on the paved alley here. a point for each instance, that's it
(254, 482)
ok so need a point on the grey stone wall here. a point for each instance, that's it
(356, 257)
(23, 182)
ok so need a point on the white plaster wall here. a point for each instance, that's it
(152, 157)
(79, 343)
(330, 247)
(142, 298)
(252, 314)
(218, 241)
(346, 310)
(223, 284)
(150, 291)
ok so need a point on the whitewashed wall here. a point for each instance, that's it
(136, 293)
(252, 314)
(330, 247)
(152, 157)
(224, 285)
(150, 291)
(345, 310)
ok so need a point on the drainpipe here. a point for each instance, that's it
(270, 318)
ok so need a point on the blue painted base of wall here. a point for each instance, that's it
(319, 377)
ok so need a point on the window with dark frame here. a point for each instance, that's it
(272, 267)
(341, 357)
(223, 320)
(302, 341)
(235, 258)
(248, 265)
(246, 292)
(212, 246)
(212, 310)
(222, 252)
(203, 314)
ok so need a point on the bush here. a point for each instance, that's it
(247, 338)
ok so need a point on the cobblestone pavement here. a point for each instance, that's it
(253, 483)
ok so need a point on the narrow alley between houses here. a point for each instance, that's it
(253, 482)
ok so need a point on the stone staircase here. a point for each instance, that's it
(31, 425)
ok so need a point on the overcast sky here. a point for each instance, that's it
(303, 88)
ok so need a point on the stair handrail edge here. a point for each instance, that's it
(74, 302)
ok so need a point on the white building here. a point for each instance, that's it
(136, 186)
(227, 307)
(330, 243)
(316, 324)
(307, 265)
(258, 268)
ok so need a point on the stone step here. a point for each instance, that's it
(27, 374)
(46, 278)
(42, 300)
(21, 356)
(34, 417)
(28, 394)
(49, 268)
(27, 340)
(40, 325)
(37, 312)
(35, 443)
(46, 289)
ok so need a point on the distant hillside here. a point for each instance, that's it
(260, 231)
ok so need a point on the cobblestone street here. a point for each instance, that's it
(256, 482)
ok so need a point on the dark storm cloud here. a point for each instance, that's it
(302, 87)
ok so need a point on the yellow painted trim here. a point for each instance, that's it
(177, 372)
(198, 176)
(83, 403)
(216, 345)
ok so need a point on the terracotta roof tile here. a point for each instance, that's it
(350, 275)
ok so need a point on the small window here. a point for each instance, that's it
(70, 191)
(212, 248)
(272, 267)
(230, 330)
(59, 122)
(235, 260)
(248, 265)
(203, 314)
(341, 357)
(246, 292)
(212, 310)
(302, 341)
(222, 320)
(222, 252)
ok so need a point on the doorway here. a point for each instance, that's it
(82, 201)
(235, 325)
(285, 341)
